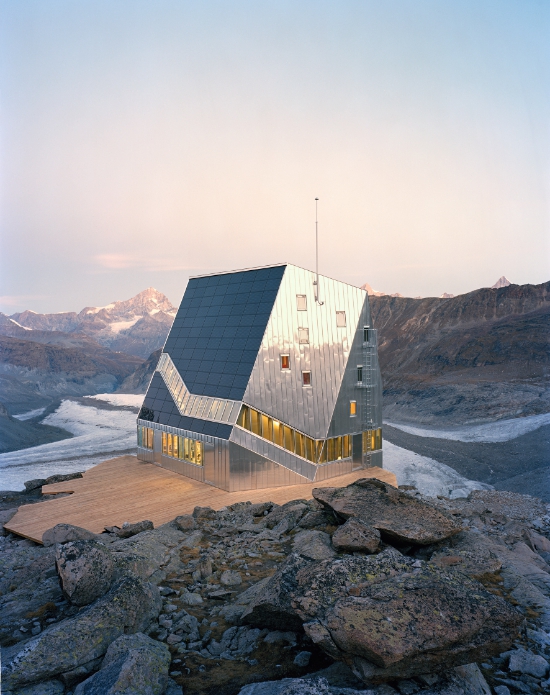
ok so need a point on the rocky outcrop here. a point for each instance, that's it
(63, 533)
(356, 536)
(128, 530)
(398, 516)
(133, 663)
(85, 569)
(129, 607)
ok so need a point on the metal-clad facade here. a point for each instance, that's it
(272, 322)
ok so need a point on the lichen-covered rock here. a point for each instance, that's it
(132, 664)
(398, 516)
(63, 533)
(85, 569)
(471, 553)
(204, 513)
(186, 522)
(313, 544)
(356, 536)
(129, 607)
(291, 513)
(53, 687)
(128, 530)
(231, 578)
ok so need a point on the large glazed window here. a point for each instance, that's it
(183, 448)
(316, 451)
(145, 437)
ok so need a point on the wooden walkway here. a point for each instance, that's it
(125, 489)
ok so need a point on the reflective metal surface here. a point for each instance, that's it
(261, 315)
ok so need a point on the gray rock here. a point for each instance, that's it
(315, 545)
(5, 516)
(186, 522)
(204, 513)
(85, 569)
(173, 688)
(231, 578)
(288, 686)
(189, 598)
(398, 516)
(317, 518)
(192, 540)
(470, 679)
(356, 536)
(292, 512)
(302, 659)
(129, 607)
(128, 530)
(132, 664)
(522, 661)
(63, 533)
(47, 688)
(502, 690)
(34, 484)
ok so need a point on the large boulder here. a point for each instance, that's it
(132, 664)
(387, 616)
(129, 607)
(63, 533)
(398, 516)
(85, 569)
(356, 536)
(313, 544)
(471, 553)
(291, 512)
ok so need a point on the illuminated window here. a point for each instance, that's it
(303, 336)
(353, 408)
(306, 378)
(301, 302)
(285, 361)
(145, 437)
(341, 319)
(360, 373)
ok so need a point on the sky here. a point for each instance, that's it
(145, 142)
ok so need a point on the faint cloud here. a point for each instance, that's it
(124, 261)
(18, 299)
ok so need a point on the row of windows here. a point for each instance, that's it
(315, 450)
(182, 448)
(145, 437)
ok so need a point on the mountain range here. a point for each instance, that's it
(132, 326)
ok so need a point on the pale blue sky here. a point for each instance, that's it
(142, 142)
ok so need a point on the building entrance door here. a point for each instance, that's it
(357, 452)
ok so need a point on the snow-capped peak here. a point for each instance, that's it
(501, 282)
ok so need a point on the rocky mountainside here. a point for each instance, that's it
(138, 381)
(362, 590)
(480, 356)
(34, 373)
(137, 326)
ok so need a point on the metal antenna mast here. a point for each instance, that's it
(316, 281)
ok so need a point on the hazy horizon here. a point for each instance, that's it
(145, 142)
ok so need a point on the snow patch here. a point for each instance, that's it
(29, 414)
(427, 475)
(20, 325)
(118, 326)
(501, 431)
(98, 435)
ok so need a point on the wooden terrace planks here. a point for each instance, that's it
(126, 489)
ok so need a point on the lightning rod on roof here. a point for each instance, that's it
(316, 281)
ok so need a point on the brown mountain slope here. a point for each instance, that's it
(480, 356)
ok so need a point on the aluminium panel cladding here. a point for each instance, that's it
(279, 393)
(159, 407)
(342, 422)
(219, 327)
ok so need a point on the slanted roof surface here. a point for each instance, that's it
(219, 327)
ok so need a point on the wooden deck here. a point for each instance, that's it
(126, 489)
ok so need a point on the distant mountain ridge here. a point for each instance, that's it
(501, 282)
(479, 356)
(133, 326)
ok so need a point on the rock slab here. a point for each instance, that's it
(85, 569)
(399, 517)
(356, 536)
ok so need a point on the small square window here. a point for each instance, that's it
(301, 302)
(303, 336)
(341, 319)
(285, 361)
(359, 373)
(353, 408)
(306, 378)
